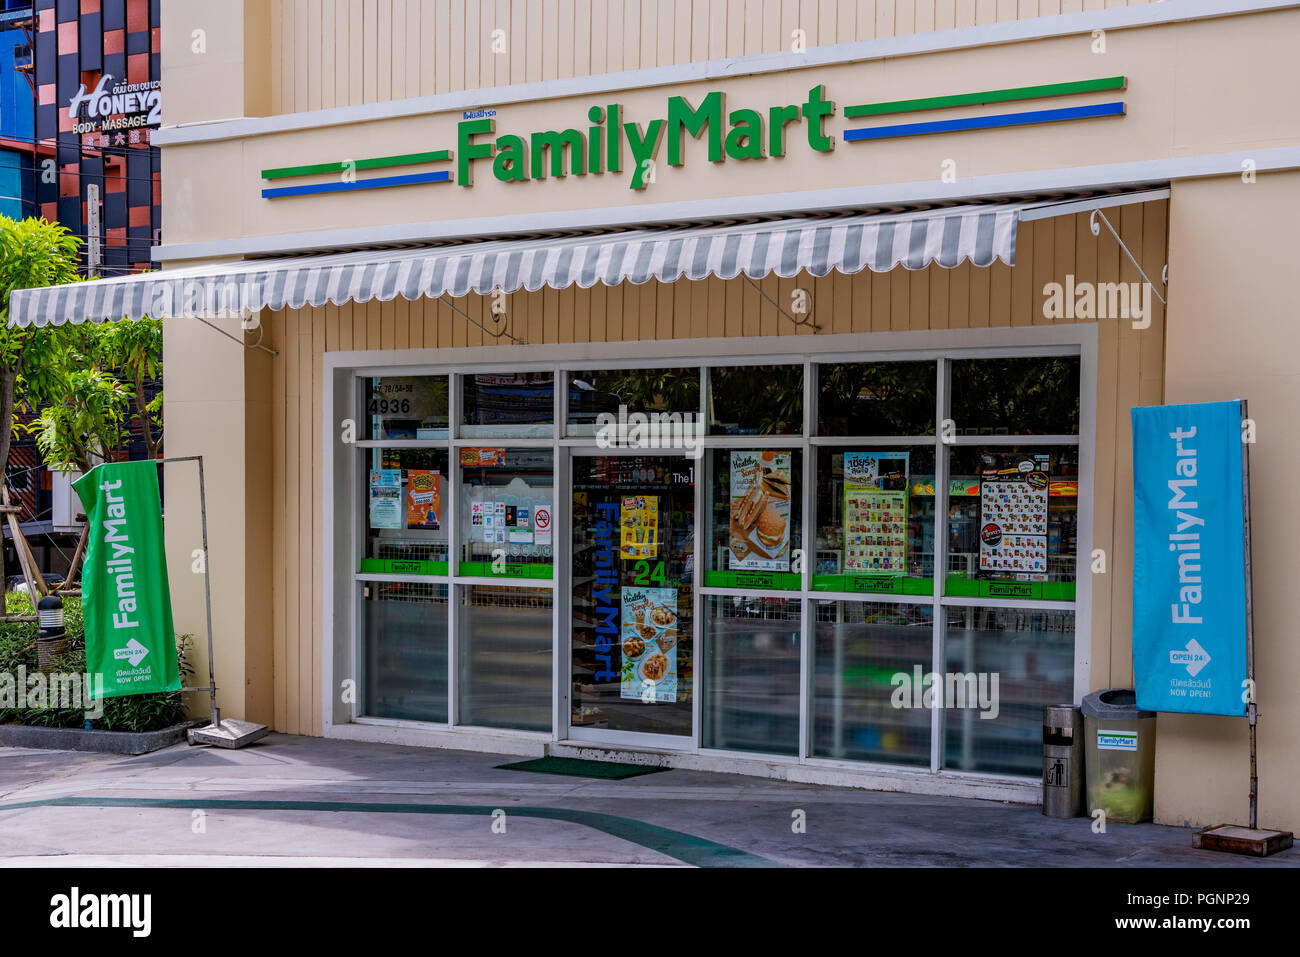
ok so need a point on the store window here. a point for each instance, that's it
(405, 523)
(1035, 395)
(1013, 522)
(1005, 665)
(755, 400)
(508, 404)
(875, 520)
(505, 675)
(405, 670)
(859, 709)
(506, 508)
(622, 393)
(876, 398)
(751, 674)
(755, 535)
(406, 407)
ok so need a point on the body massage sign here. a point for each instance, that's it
(1189, 573)
(130, 638)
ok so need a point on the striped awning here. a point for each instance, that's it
(980, 234)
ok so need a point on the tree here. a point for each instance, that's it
(33, 253)
(134, 349)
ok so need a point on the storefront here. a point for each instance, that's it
(733, 552)
(698, 403)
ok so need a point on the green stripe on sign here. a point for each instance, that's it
(990, 96)
(405, 159)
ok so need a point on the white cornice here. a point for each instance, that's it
(1015, 31)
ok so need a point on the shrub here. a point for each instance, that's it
(145, 712)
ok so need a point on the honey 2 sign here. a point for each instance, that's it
(130, 638)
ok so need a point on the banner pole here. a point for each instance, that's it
(1252, 714)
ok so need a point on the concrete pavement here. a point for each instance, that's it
(291, 800)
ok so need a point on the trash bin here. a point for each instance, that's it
(1062, 761)
(1120, 753)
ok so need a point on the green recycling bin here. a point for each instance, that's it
(1119, 756)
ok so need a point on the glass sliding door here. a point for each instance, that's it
(633, 640)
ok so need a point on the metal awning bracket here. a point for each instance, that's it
(1096, 231)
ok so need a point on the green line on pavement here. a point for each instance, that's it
(989, 96)
(687, 848)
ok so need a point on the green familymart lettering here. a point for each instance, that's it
(609, 140)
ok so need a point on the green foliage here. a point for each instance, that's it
(146, 712)
(87, 420)
(33, 252)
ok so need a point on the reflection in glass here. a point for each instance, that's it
(595, 391)
(1031, 655)
(876, 398)
(1036, 395)
(406, 510)
(859, 649)
(756, 516)
(406, 407)
(405, 651)
(751, 691)
(633, 597)
(504, 678)
(501, 492)
(756, 400)
(517, 404)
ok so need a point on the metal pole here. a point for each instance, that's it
(1252, 714)
(207, 580)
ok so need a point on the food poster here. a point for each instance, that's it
(423, 498)
(1013, 522)
(760, 511)
(506, 516)
(875, 513)
(639, 527)
(385, 498)
(649, 638)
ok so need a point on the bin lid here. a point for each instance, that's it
(1117, 703)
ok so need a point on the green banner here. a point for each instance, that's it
(130, 638)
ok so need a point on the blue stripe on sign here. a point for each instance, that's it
(986, 122)
(377, 183)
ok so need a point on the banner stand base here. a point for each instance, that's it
(229, 733)
(1257, 842)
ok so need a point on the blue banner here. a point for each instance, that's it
(1189, 563)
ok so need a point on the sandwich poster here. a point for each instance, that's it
(1013, 522)
(875, 513)
(760, 511)
(639, 527)
(423, 498)
(649, 637)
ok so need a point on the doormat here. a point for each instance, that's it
(579, 768)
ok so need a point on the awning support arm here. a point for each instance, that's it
(247, 345)
(777, 306)
(1096, 231)
(470, 319)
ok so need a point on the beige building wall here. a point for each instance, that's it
(349, 52)
(1233, 335)
(1130, 373)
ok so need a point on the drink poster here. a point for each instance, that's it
(875, 513)
(649, 637)
(423, 498)
(1013, 523)
(639, 527)
(385, 498)
(760, 511)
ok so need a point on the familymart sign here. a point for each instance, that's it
(608, 140)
